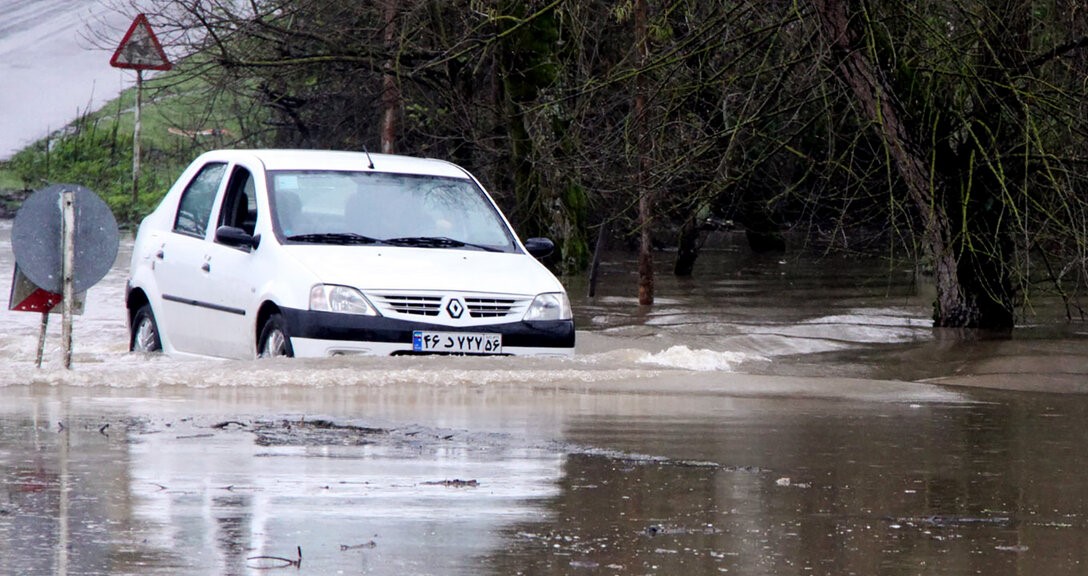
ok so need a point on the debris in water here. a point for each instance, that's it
(455, 483)
(363, 546)
(228, 423)
(270, 562)
(313, 433)
(659, 529)
(941, 520)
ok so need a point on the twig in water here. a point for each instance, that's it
(283, 562)
(227, 423)
(370, 544)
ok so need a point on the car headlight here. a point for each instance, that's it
(343, 299)
(550, 306)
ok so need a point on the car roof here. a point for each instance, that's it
(284, 159)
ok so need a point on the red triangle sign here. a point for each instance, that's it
(140, 49)
(38, 301)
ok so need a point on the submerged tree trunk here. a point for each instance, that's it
(645, 199)
(990, 168)
(878, 101)
(598, 250)
(687, 249)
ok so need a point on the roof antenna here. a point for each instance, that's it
(368, 158)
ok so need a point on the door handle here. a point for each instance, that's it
(206, 267)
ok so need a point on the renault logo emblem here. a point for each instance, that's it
(455, 308)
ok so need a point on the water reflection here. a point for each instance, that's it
(985, 487)
(56, 517)
(171, 494)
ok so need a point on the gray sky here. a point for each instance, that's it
(49, 72)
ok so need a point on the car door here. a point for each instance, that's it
(185, 317)
(232, 272)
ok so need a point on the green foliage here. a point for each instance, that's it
(88, 153)
(9, 180)
(180, 119)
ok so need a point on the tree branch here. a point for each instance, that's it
(1054, 53)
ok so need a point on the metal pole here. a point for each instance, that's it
(41, 337)
(136, 145)
(68, 212)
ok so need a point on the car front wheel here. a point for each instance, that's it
(145, 332)
(274, 341)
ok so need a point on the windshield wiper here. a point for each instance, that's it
(343, 238)
(438, 242)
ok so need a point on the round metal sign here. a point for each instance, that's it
(36, 238)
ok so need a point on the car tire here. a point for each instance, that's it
(145, 331)
(274, 341)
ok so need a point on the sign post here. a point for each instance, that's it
(65, 240)
(136, 144)
(68, 270)
(139, 50)
(28, 297)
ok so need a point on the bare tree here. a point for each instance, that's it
(949, 132)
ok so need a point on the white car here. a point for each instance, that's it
(317, 253)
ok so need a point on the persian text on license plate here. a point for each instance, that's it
(457, 342)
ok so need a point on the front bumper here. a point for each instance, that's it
(329, 333)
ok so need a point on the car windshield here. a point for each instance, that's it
(367, 208)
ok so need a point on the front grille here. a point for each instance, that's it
(413, 305)
(477, 306)
(489, 307)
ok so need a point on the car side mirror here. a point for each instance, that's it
(539, 247)
(232, 236)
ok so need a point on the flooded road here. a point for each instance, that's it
(53, 66)
(766, 418)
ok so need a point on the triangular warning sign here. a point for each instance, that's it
(27, 297)
(140, 49)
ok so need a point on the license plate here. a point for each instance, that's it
(457, 342)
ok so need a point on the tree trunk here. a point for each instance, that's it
(998, 124)
(878, 101)
(687, 247)
(390, 91)
(595, 265)
(645, 199)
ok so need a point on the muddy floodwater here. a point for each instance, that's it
(767, 417)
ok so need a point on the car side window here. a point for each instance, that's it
(195, 207)
(239, 209)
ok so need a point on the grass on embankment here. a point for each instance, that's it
(181, 116)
